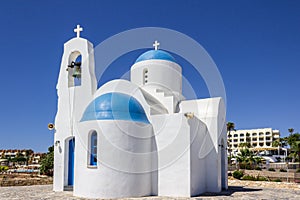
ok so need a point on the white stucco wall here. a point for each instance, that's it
(124, 167)
(172, 139)
(198, 131)
(212, 113)
(184, 156)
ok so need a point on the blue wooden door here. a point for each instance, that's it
(71, 162)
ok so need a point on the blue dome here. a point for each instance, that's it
(115, 106)
(155, 55)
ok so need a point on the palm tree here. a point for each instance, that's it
(258, 160)
(28, 155)
(245, 157)
(230, 127)
(294, 141)
(277, 143)
(245, 145)
(291, 130)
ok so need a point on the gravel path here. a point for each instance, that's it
(237, 190)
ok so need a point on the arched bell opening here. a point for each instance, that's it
(74, 69)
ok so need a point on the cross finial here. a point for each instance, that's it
(77, 30)
(156, 45)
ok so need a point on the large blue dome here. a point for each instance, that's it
(115, 106)
(155, 55)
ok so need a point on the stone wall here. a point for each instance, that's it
(22, 180)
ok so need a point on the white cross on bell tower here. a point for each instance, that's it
(156, 45)
(77, 30)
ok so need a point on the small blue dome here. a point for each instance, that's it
(115, 106)
(155, 55)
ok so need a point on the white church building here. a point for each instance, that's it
(135, 138)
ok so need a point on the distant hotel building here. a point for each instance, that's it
(259, 139)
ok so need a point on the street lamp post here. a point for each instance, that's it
(287, 171)
(285, 154)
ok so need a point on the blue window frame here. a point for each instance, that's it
(93, 149)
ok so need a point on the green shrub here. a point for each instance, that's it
(298, 170)
(248, 167)
(238, 174)
(277, 180)
(261, 178)
(249, 178)
(3, 168)
(272, 169)
(253, 178)
(282, 170)
(257, 168)
(47, 162)
(245, 166)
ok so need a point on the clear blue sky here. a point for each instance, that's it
(255, 44)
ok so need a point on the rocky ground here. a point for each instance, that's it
(237, 190)
(264, 184)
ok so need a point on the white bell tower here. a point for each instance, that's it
(75, 88)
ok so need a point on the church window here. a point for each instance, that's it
(145, 76)
(93, 149)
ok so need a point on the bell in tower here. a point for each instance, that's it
(76, 67)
